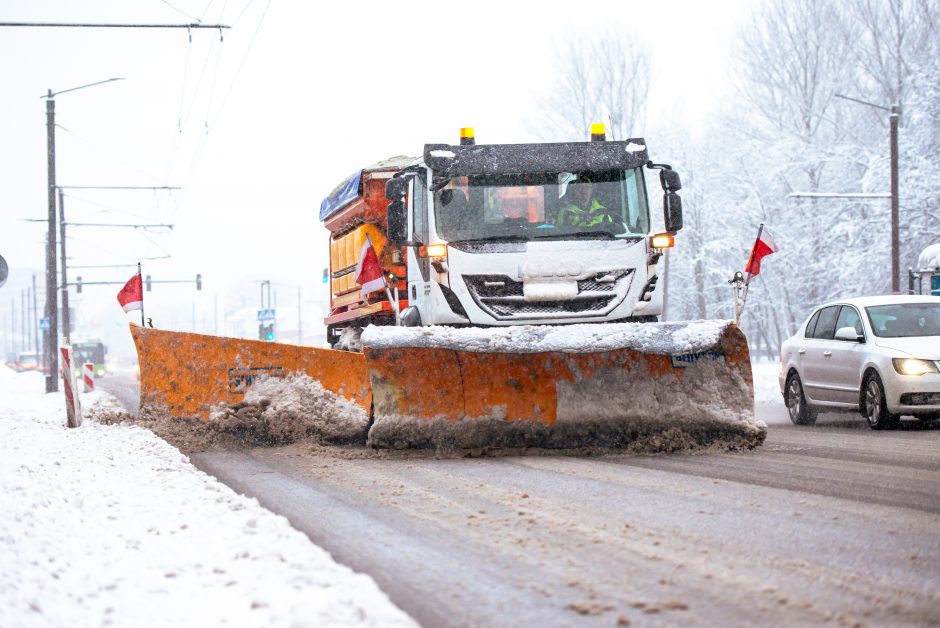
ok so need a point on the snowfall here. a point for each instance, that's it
(110, 525)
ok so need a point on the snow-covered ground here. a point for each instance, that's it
(766, 386)
(109, 525)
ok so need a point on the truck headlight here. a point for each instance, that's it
(914, 366)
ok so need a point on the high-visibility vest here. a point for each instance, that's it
(574, 216)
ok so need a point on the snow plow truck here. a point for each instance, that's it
(502, 295)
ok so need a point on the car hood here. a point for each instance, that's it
(924, 347)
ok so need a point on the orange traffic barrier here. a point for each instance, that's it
(188, 373)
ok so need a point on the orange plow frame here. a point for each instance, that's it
(186, 373)
(442, 397)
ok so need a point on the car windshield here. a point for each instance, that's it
(905, 320)
(550, 205)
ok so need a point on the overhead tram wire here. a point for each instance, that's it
(215, 74)
(109, 25)
(231, 86)
(180, 11)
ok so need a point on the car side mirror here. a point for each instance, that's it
(849, 333)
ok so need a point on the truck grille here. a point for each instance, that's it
(503, 299)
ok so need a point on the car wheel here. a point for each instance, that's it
(874, 405)
(800, 412)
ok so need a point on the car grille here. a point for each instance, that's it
(503, 298)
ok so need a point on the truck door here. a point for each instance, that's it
(419, 268)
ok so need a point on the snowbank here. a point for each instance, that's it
(110, 525)
(662, 338)
(766, 384)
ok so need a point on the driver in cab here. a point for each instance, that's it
(582, 209)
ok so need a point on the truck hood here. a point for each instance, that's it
(924, 347)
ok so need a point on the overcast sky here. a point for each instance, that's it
(259, 127)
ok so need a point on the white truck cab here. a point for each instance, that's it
(531, 233)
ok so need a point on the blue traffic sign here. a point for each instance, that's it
(44, 324)
(267, 314)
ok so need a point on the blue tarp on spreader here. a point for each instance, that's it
(345, 193)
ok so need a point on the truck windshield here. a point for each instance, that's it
(542, 206)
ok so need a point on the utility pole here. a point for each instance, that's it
(24, 332)
(12, 325)
(50, 338)
(66, 319)
(42, 357)
(895, 118)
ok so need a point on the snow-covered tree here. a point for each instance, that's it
(599, 78)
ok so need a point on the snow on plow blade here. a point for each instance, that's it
(185, 374)
(663, 385)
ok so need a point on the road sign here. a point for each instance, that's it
(44, 324)
(4, 271)
(267, 314)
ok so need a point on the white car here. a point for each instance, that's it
(876, 355)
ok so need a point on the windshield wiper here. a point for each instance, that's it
(495, 238)
(576, 235)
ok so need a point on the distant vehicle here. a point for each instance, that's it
(879, 356)
(26, 361)
(92, 351)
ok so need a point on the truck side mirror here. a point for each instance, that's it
(395, 189)
(397, 221)
(672, 212)
(396, 217)
(670, 180)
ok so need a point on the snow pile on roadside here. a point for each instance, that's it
(766, 386)
(661, 338)
(274, 412)
(110, 525)
(286, 410)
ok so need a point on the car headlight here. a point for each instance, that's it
(914, 366)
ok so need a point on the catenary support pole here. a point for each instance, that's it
(66, 318)
(52, 311)
(42, 357)
(895, 203)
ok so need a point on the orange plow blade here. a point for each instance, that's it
(676, 384)
(185, 374)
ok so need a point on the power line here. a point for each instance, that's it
(180, 11)
(107, 25)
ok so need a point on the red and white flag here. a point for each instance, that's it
(763, 246)
(369, 273)
(131, 296)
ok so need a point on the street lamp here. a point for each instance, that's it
(52, 305)
(894, 118)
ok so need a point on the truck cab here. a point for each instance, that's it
(528, 234)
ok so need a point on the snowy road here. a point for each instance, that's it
(829, 524)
